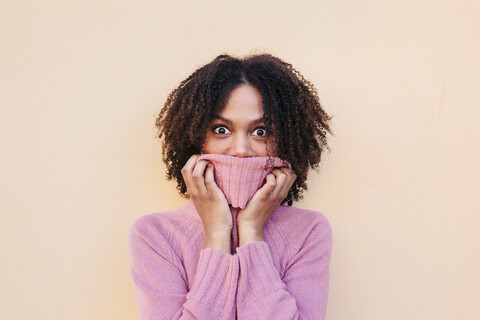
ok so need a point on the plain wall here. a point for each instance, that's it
(81, 83)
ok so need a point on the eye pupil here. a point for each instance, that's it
(261, 132)
(221, 130)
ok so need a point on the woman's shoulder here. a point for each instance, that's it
(295, 222)
(165, 222)
(301, 216)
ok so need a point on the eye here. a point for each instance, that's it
(261, 132)
(221, 129)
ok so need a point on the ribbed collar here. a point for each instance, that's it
(240, 178)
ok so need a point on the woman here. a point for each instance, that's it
(239, 136)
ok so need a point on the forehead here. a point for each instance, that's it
(244, 102)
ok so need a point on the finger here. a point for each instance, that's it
(284, 180)
(280, 172)
(189, 165)
(291, 176)
(187, 172)
(280, 176)
(210, 178)
(270, 184)
(198, 173)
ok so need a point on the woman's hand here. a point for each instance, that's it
(210, 203)
(251, 221)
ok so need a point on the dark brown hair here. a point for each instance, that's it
(290, 104)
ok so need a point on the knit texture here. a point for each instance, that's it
(240, 178)
(284, 277)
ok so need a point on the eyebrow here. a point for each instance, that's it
(256, 121)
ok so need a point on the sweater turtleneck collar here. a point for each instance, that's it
(240, 178)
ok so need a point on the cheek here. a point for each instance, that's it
(265, 149)
(272, 149)
(207, 144)
(208, 147)
(213, 145)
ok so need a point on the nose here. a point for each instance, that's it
(241, 147)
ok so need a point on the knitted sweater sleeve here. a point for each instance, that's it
(300, 293)
(161, 288)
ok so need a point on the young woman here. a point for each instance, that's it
(239, 136)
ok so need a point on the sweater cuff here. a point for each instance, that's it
(258, 275)
(215, 280)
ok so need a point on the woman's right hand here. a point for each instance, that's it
(210, 202)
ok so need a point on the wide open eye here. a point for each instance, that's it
(260, 131)
(221, 129)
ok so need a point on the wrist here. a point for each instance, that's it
(248, 234)
(218, 239)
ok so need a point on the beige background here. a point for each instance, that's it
(82, 81)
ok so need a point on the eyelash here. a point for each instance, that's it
(215, 127)
(264, 130)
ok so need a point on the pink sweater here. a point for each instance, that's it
(284, 277)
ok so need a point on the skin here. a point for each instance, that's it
(238, 130)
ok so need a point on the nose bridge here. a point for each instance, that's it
(241, 145)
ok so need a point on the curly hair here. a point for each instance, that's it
(290, 104)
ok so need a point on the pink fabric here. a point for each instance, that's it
(240, 178)
(284, 277)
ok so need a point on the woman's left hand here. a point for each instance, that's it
(252, 219)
